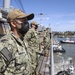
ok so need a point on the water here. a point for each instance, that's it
(70, 48)
(70, 52)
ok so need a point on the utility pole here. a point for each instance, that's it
(41, 18)
(6, 4)
(6, 8)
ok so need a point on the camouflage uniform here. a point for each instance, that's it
(33, 41)
(21, 61)
(46, 39)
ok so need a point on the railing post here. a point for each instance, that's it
(52, 56)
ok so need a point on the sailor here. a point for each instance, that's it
(46, 41)
(14, 56)
(33, 41)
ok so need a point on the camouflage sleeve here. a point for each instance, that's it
(4, 54)
(2, 62)
(45, 34)
(28, 35)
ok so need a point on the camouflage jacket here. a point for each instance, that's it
(14, 56)
(33, 39)
(46, 36)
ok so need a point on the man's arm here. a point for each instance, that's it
(28, 35)
(5, 57)
(2, 64)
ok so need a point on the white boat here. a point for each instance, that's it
(68, 40)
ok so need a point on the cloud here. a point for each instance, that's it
(55, 16)
(72, 21)
(59, 22)
(70, 15)
(62, 27)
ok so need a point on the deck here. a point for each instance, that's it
(44, 65)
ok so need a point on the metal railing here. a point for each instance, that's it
(52, 57)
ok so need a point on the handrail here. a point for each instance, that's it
(52, 56)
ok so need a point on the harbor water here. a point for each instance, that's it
(70, 53)
(70, 48)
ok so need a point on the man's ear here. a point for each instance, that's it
(13, 23)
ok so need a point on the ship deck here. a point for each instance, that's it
(44, 65)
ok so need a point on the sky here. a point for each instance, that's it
(57, 14)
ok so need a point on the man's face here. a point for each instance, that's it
(33, 26)
(19, 21)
